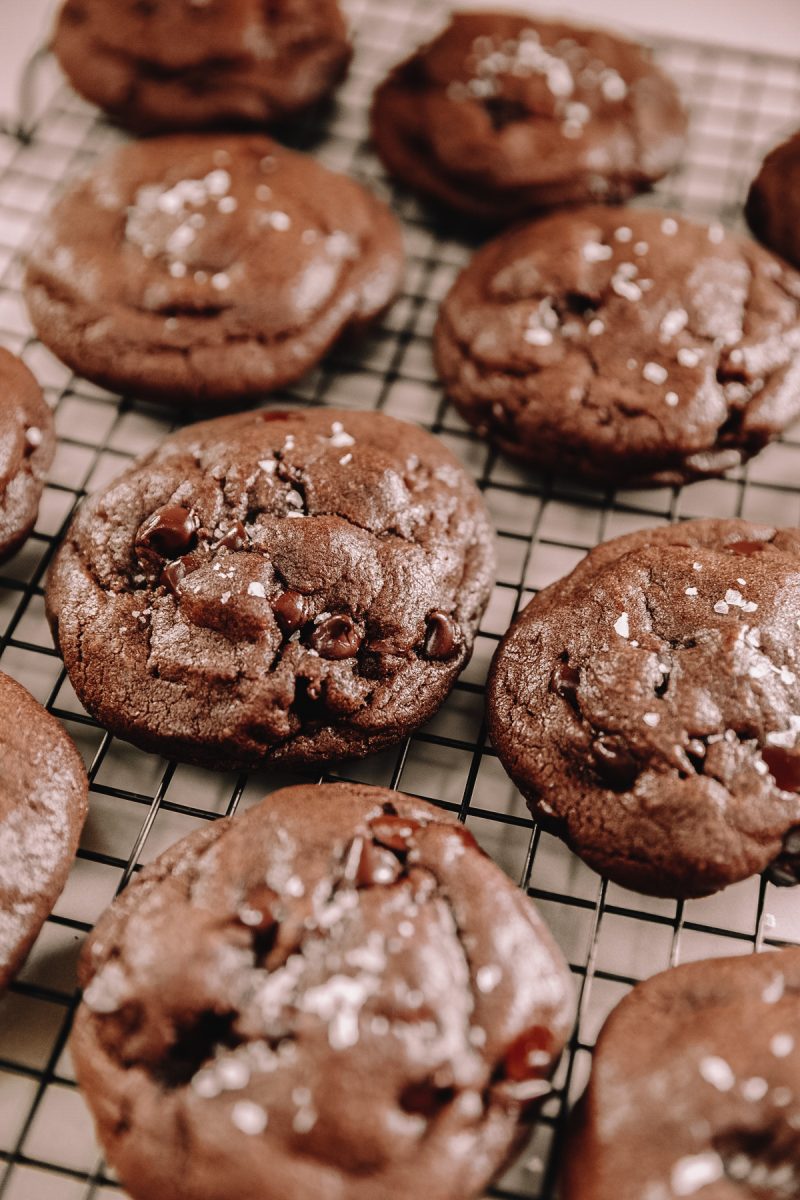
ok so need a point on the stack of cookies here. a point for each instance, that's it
(338, 994)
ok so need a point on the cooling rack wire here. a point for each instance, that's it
(740, 104)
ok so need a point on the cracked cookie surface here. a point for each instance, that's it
(695, 1088)
(43, 804)
(179, 64)
(647, 706)
(300, 586)
(209, 268)
(628, 346)
(773, 208)
(336, 994)
(501, 115)
(27, 445)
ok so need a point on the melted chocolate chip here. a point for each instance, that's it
(174, 572)
(441, 636)
(615, 764)
(425, 1098)
(564, 682)
(746, 548)
(336, 637)
(784, 767)
(530, 1056)
(235, 538)
(375, 865)
(168, 533)
(395, 832)
(290, 611)
(279, 414)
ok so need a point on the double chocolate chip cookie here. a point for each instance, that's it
(626, 346)
(27, 444)
(773, 203)
(334, 995)
(502, 114)
(43, 804)
(191, 64)
(695, 1088)
(298, 586)
(212, 269)
(648, 706)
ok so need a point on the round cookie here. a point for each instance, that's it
(337, 994)
(773, 207)
(502, 114)
(43, 804)
(695, 1088)
(626, 346)
(203, 268)
(27, 445)
(183, 64)
(647, 706)
(294, 586)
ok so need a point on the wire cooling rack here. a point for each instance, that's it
(140, 804)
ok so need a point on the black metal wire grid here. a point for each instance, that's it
(741, 104)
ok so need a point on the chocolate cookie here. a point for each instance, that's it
(209, 268)
(191, 64)
(623, 345)
(647, 706)
(337, 994)
(298, 586)
(695, 1088)
(27, 444)
(773, 203)
(502, 114)
(43, 804)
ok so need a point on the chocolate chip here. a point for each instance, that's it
(746, 548)
(372, 864)
(441, 636)
(168, 533)
(175, 572)
(615, 764)
(394, 832)
(784, 767)
(279, 414)
(530, 1056)
(336, 637)
(425, 1099)
(290, 611)
(564, 682)
(235, 538)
